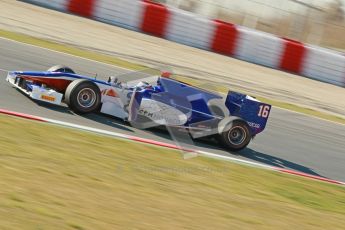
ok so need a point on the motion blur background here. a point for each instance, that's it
(318, 22)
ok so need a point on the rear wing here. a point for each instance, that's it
(254, 112)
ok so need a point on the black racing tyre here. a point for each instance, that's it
(60, 68)
(236, 135)
(83, 96)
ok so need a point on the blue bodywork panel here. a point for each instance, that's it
(193, 101)
(249, 110)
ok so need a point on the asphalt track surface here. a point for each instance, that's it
(291, 140)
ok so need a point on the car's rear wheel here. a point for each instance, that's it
(83, 96)
(61, 69)
(236, 135)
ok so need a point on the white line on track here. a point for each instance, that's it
(4, 70)
(166, 145)
(129, 137)
(59, 52)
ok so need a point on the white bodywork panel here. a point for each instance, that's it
(47, 95)
(115, 101)
(161, 113)
(39, 93)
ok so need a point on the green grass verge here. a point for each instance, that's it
(133, 66)
(58, 178)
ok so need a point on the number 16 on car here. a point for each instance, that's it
(264, 111)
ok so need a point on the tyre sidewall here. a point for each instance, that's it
(72, 92)
(224, 136)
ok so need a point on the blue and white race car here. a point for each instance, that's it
(156, 100)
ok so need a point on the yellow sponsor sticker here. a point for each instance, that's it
(47, 98)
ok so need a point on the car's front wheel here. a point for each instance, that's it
(236, 135)
(83, 96)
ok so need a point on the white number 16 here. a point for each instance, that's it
(264, 111)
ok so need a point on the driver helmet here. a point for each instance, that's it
(143, 84)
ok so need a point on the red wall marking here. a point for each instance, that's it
(155, 18)
(82, 7)
(225, 38)
(293, 55)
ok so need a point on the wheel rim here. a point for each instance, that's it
(86, 98)
(237, 135)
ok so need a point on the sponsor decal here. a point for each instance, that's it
(161, 113)
(111, 93)
(145, 113)
(254, 125)
(47, 98)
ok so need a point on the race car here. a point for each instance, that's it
(155, 100)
